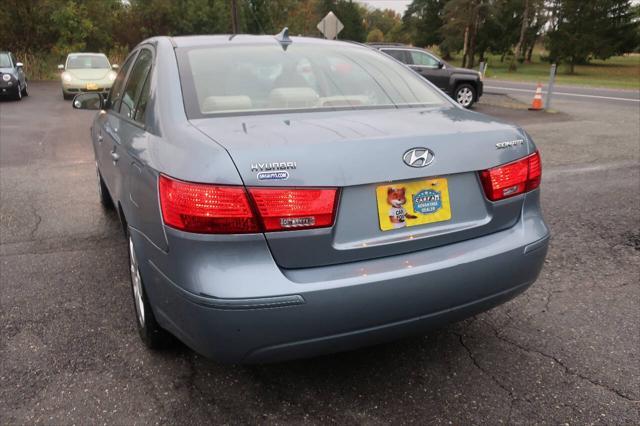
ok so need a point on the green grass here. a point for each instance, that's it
(619, 72)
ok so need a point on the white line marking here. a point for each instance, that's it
(563, 93)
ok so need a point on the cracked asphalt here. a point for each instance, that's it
(565, 352)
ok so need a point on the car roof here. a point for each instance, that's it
(230, 39)
(85, 54)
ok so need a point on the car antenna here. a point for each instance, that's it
(283, 38)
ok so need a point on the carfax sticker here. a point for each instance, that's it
(414, 203)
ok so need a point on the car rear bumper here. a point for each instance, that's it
(311, 311)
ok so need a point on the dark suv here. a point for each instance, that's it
(13, 81)
(463, 85)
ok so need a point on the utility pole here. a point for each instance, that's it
(234, 17)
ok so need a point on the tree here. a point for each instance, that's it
(462, 21)
(384, 20)
(499, 31)
(424, 19)
(375, 36)
(74, 27)
(523, 32)
(581, 30)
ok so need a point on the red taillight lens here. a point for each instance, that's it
(512, 178)
(207, 209)
(288, 209)
(217, 209)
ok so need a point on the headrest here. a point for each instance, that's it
(293, 97)
(225, 103)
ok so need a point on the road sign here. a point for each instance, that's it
(330, 26)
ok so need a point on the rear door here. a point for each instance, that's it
(138, 181)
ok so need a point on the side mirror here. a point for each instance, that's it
(92, 101)
(440, 64)
(61, 67)
(115, 66)
(19, 64)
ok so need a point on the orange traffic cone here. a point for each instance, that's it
(536, 104)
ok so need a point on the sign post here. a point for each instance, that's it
(552, 79)
(330, 26)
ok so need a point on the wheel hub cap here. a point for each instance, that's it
(136, 283)
(465, 96)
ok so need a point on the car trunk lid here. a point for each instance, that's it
(359, 151)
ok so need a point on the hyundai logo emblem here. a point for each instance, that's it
(418, 157)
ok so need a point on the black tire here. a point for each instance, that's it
(18, 95)
(465, 95)
(66, 97)
(24, 90)
(153, 336)
(103, 192)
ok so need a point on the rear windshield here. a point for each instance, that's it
(5, 61)
(251, 78)
(87, 61)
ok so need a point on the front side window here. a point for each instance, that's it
(424, 59)
(87, 62)
(261, 77)
(5, 60)
(135, 83)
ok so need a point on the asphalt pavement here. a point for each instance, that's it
(567, 351)
(565, 92)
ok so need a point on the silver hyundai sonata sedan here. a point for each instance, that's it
(288, 197)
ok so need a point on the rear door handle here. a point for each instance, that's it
(115, 156)
(100, 138)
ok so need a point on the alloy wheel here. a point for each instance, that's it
(464, 96)
(136, 283)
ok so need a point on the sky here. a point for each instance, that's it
(397, 5)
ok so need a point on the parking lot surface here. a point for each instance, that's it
(566, 351)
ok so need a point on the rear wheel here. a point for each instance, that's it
(465, 95)
(154, 336)
(24, 90)
(66, 97)
(103, 192)
(19, 93)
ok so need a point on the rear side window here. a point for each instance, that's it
(400, 55)
(142, 102)
(115, 94)
(424, 59)
(135, 83)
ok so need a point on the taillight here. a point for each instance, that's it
(288, 208)
(207, 209)
(513, 178)
(218, 209)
